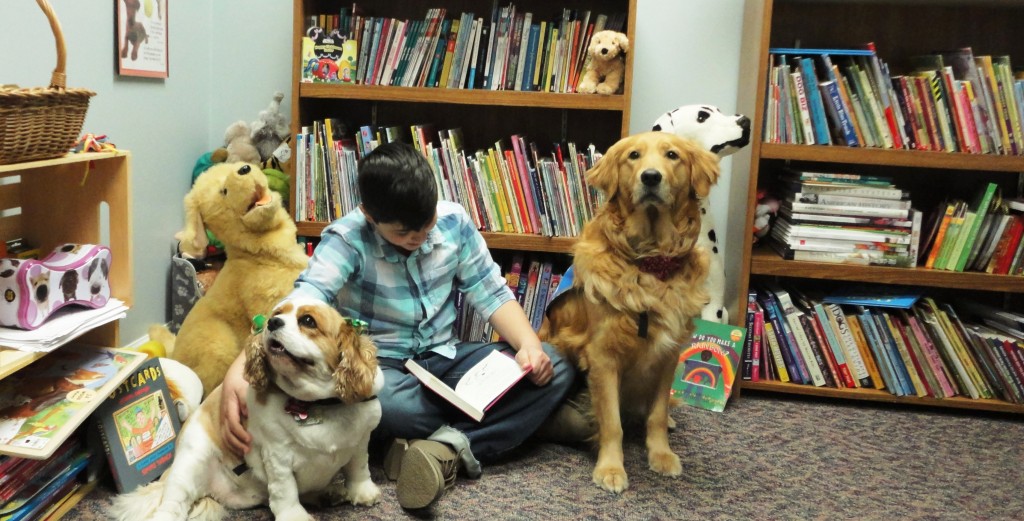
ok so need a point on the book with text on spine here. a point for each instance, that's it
(708, 365)
(479, 388)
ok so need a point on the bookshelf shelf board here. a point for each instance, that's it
(763, 261)
(58, 161)
(462, 96)
(12, 360)
(892, 157)
(875, 395)
(536, 243)
(499, 241)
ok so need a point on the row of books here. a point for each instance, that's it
(845, 218)
(532, 281)
(509, 50)
(983, 234)
(511, 189)
(952, 101)
(916, 348)
(35, 489)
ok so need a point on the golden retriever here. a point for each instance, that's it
(639, 281)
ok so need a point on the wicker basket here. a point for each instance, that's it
(42, 122)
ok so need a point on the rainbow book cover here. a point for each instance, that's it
(708, 365)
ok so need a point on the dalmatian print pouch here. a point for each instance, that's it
(33, 289)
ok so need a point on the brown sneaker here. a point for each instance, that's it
(428, 469)
(393, 459)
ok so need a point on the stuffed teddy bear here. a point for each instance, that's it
(764, 213)
(263, 259)
(238, 146)
(270, 132)
(605, 63)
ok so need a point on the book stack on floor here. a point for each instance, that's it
(983, 234)
(905, 344)
(845, 218)
(36, 489)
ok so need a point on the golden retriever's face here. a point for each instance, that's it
(654, 169)
(311, 352)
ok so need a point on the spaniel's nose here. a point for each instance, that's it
(275, 323)
(650, 177)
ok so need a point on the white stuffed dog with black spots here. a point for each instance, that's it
(721, 134)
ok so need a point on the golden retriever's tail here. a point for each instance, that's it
(143, 502)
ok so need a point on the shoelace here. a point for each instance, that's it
(450, 469)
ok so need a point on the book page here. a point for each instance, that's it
(489, 379)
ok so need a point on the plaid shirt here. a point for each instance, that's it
(409, 302)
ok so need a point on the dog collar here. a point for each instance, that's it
(299, 409)
(661, 266)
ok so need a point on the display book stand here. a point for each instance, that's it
(71, 199)
(989, 27)
(484, 115)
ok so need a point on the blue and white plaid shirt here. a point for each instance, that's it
(409, 302)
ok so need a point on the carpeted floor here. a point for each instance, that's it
(766, 457)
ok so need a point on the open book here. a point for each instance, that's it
(480, 387)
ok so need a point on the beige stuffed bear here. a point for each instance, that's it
(233, 201)
(605, 64)
(238, 145)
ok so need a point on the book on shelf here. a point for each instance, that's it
(827, 187)
(886, 297)
(41, 407)
(708, 366)
(848, 344)
(831, 219)
(138, 427)
(479, 388)
(846, 200)
(859, 257)
(792, 316)
(783, 350)
(29, 491)
(860, 339)
(981, 207)
(854, 209)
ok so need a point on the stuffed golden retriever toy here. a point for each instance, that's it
(263, 261)
(605, 63)
(638, 282)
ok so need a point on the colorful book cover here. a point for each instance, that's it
(707, 367)
(42, 406)
(138, 429)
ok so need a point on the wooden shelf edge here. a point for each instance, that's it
(892, 157)
(498, 241)
(874, 395)
(63, 160)
(462, 96)
(764, 261)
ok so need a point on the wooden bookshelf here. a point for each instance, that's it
(485, 116)
(900, 29)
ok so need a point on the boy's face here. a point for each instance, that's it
(406, 240)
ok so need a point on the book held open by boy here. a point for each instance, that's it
(480, 387)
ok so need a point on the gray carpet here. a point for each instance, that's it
(765, 457)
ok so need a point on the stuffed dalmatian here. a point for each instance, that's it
(721, 134)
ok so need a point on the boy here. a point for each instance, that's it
(397, 263)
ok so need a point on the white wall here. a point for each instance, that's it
(228, 57)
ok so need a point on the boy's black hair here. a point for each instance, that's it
(396, 184)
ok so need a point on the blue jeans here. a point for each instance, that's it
(410, 410)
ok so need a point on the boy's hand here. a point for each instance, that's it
(533, 357)
(233, 409)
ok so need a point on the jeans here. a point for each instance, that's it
(410, 410)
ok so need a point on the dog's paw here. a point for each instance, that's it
(612, 479)
(364, 494)
(665, 463)
(294, 514)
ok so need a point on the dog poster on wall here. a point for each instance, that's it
(142, 38)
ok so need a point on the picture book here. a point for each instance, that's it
(707, 367)
(35, 486)
(479, 388)
(138, 428)
(42, 405)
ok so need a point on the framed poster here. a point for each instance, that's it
(142, 38)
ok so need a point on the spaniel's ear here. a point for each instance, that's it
(357, 368)
(256, 370)
(605, 174)
(192, 238)
(704, 170)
